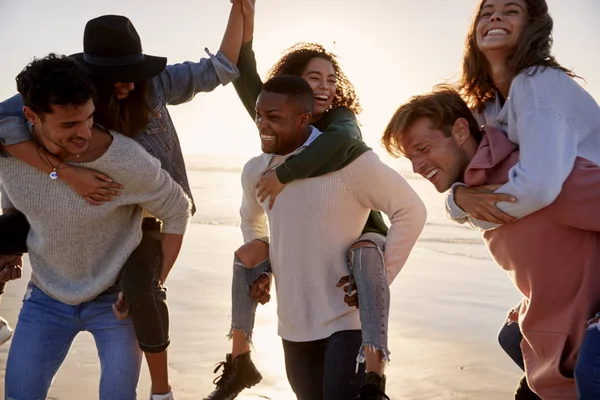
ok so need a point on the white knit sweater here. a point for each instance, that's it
(312, 226)
(76, 249)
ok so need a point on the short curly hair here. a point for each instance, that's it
(295, 59)
(54, 79)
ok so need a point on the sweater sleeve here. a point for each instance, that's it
(153, 189)
(548, 139)
(253, 216)
(379, 187)
(338, 146)
(248, 85)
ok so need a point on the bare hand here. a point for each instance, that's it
(350, 298)
(248, 8)
(12, 267)
(94, 187)
(269, 185)
(260, 290)
(480, 203)
(121, 308)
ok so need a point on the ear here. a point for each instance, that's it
(460, 131)
(31, 115)
(304, 120)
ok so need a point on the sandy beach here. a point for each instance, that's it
(447, 305)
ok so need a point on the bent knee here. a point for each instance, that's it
(252, 253)
(362, 243)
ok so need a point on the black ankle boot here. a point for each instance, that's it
(238, 374)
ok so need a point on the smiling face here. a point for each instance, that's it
(280, 123)
(435, 155)
(500, 26)
(320, 75)
(122, 89)
(66, 130)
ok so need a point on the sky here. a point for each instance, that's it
(390, 50)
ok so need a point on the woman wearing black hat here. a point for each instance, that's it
(133, 91)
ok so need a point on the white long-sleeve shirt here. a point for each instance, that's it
(553, 120)
(312, 225)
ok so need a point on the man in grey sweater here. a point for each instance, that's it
(77, 250)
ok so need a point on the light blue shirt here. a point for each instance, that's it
(554, 121)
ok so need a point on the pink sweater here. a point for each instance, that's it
(553, 258)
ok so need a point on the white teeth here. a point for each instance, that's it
(321, 97)
(497, 32)
(431, 174)
(267, 138)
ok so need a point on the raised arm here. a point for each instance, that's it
(379, 187)
(181, 82)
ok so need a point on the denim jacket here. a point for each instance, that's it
(177, 84)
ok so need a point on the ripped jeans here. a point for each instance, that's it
(368, 276)
(587, 370)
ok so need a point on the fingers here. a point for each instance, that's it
(92, 201)
(109, 183)
(351, 301)
(120, 308)
(343, 280)
(16, 272)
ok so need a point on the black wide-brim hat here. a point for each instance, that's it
(112, 51)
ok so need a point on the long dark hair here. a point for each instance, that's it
(128, 116)
(534, 50)
(294, 61)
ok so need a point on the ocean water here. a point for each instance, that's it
(216, 186)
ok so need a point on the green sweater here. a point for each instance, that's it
(339, 145)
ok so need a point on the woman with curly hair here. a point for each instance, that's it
(336, 107)
(513, 82)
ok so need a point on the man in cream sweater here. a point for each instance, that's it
(311, 228)
(77, 250)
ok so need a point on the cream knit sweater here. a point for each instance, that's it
(312, 226)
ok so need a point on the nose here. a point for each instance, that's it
(130, 86)
(496, 17)
(260, 123)
(85, 131)
(417, 164)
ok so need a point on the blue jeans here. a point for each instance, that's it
(587, 370)
(325, 369)
(44, 333)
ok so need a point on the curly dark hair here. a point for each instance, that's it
(295, 59)
(476, 83)
(54, 79)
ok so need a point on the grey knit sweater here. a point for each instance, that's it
(76, 249)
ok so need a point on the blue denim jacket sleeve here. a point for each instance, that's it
(181, 82)
(13, 127)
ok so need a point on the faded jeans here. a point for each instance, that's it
(147, 299)
(587, 370)
(44, 334)
(367, 268)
